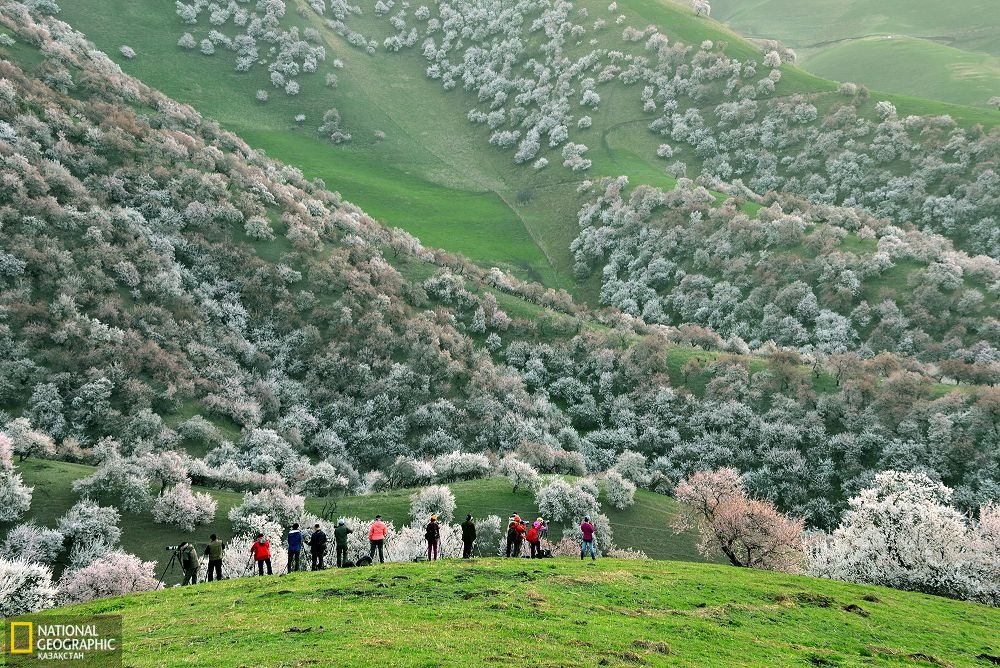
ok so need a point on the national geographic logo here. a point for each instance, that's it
(70, 642)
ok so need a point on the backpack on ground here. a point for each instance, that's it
(363, 561)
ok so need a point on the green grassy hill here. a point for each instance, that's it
(943, 51)
(433, 174)
(644, 526)
(559, 612)
(910, 65)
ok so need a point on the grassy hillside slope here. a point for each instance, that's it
(955, 45)
(915, 66)
(644, 526)
(559, 612)
(434, 174)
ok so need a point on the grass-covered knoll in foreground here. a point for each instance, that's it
(644, 526)
(558, 612)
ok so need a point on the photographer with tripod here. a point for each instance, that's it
(189, 562)
(340, 538)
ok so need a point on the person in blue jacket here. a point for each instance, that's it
(294, 547)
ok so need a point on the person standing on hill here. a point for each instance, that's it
(433, 535)
(189, 563)
(587, 542)
(376, 539)
(340, 539)
(214, 553)
(294, 548)
(468, 536)
(317, 547)
(515, 536)
(534, 538)
(261, 552)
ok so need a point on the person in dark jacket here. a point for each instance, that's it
(294, 548)
(340, 538)
(189, 562)
(317, 547)
(214, 553)
(468, 536)
(433, 534)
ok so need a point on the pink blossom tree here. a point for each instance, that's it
(750, 532)
(184, 509)
(112, 574)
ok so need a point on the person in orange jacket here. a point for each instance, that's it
(515, 536)
(376, 539)
(261, 552)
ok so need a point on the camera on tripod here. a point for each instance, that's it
(171, 548)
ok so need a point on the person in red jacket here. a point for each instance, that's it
(376, 539)
(261, 551)
(534, 538)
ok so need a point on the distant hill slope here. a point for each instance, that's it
(955, 45)
(165, 288)
(414, 159)
(559, 612)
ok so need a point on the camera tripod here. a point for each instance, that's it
(170, 565)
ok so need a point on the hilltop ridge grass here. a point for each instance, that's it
(558, 612)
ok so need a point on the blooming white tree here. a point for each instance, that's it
(619, 491)
(27, 442)
(461, 466)
(274, 504)
(901, 532)
(520, 474)
(436, 499)
(32, 543)
(87, 522)
(119, 477)
(112, 574)
(410, 472)
(15, 496)
(25, 587)
(184, 509)
(632, 466)
(558, 501)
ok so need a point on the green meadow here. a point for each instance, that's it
(554, 612)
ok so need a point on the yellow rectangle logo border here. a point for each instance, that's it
(31, 637)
